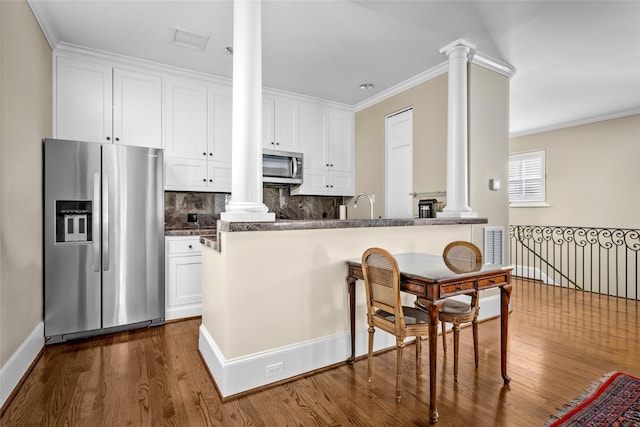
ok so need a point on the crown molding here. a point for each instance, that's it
(39, 10)
(401, 87)
(493, 64)
(478, 58)
(574, 123)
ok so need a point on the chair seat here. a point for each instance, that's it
(412, 316)
(456, 312)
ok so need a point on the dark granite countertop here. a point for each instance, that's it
(336, 223)
(205, 231)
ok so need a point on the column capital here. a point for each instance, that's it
(460, 45)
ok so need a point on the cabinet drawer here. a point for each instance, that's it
(455, 288)
(190, 245)
(492, 281)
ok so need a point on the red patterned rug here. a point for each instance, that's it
(614, 401)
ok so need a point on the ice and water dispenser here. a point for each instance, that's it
(73, 221)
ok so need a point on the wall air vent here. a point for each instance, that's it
(493, 245)
(191, 40)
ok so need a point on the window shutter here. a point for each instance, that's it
(527, 177)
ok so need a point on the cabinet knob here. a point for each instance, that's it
(277, 143)
(204, 179)
(327, 165)
(210, 180)
(211, 154)
(108, 138)
(273, 143)
(331, 165)
(204, 154)
(117, 139)
(190, 246)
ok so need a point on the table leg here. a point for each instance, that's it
(351, 284)
(505, 296)
(433, 354)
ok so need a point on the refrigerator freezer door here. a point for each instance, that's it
(71, 264)
(133, 246)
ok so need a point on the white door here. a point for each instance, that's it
(399, 158)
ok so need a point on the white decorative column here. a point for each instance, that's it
(246, 130)
(459, 53)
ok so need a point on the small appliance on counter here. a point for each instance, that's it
(427, 208)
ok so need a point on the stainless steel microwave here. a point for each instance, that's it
(281, 167)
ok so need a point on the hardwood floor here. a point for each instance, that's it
(559, 342)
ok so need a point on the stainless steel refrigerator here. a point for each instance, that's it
(103, 238)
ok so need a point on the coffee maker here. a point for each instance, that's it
(427, 208)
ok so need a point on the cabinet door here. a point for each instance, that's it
(286, 127)
(268, 120)
(184, 280)
(186, 120)
(183, 174)
(341, 183)
(341, 144)
(83, 100)
(137, 109)
(220, 100)
(314, 182)
(219, 176)
(314, 137)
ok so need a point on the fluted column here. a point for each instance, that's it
(459, 53)
(246, 151)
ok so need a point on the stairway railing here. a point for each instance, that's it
(594, 259)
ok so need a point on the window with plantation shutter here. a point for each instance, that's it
(527, 177)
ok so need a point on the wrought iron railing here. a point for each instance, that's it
(593, 259)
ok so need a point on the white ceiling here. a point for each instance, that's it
(575, 61)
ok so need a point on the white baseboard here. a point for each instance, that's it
(245, 373)
(532, 273)
(174, 313)
(12, 372)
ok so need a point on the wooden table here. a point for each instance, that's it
(428, 277)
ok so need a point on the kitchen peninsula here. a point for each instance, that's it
(275, 302)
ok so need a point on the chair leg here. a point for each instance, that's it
(474, 326)
(370, 354)
(444, 337)
(419, 355)
(456, 339)
(400, 347)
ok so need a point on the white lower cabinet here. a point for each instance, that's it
(183, 277)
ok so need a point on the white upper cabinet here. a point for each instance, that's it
(186, 122)
(83, 100)
(280, 124)
(137, 109)
(100, 103)
(327, 142)
(198, 135)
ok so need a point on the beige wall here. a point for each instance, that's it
(488, 149)
(25, 118)
(593, 175)
(429, 103)
(488, 144)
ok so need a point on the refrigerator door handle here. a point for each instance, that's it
(105, 222)
(96, 222)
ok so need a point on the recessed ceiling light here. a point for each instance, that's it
(228, 50)
(367, 86)
(191, 40)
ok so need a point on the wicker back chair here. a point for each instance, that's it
(385, 311)
(460, 257)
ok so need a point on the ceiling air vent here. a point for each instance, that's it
(191, 40)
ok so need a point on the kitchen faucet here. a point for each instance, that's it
(355, 204)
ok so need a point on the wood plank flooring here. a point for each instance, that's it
(559, 342)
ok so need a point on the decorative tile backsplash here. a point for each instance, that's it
(207, 206)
